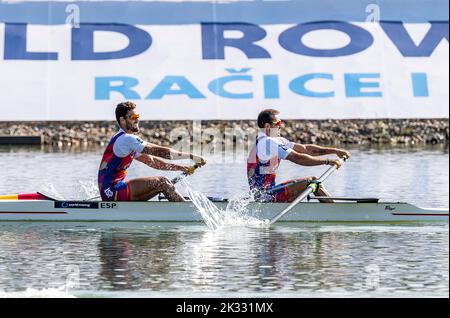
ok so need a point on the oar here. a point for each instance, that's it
(312, 187)
(174, 180)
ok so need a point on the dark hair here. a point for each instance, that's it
(123, 108)
(266, 117)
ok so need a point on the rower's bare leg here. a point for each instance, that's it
(143, 189)
(322, 192)
(298, 187)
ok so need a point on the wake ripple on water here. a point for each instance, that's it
(235, 214)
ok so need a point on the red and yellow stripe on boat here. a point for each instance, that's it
(23, 196)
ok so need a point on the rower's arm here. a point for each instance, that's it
(167, 153)
(159, 164)
(305, 159)
(314, 150)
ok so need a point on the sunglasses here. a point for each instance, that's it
(134, 116)
(278, 123)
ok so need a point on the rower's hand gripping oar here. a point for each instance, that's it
(312, 187)
(191, 170)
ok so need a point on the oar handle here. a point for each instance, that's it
(343, 159)
(184, 174)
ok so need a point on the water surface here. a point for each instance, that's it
(189, 260)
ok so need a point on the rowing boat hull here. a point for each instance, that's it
(163, 211)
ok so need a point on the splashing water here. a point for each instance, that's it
(238, 213)
(50, 190)
(38, 293)
(235, 214)
(87, 189)
(210, 213)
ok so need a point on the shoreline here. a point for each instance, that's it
(326, 132)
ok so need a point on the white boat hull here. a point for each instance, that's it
(163, 211)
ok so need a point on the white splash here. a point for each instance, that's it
(236, 213)
(210, 213)
(61, 292)
(87, 189)
(50, 190)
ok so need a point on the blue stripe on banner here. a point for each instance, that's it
(257, 11)
(420, 84)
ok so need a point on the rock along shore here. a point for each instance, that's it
(327, 132)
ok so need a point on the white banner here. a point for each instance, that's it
(322, 70)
